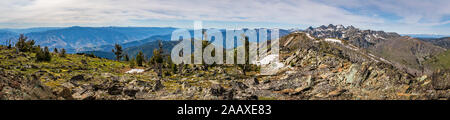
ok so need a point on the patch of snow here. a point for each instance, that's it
(378, 36)
(266, 60)
(340, 27)
(135, 71)
(277, 65)
(333, 40)
(309, 36)
(270, 65)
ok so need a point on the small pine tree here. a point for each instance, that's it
(24, 45)
(9, 44)
(157, 57)
(132, 63)
(63, 53)
(244, 67)
(37, 49)
(55, 50)
(47, 55)
(118, 51)
(43, 55)
(172, 66)
(127, 58)
(140, 58)
(39, 55)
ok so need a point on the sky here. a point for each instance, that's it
(401, 16)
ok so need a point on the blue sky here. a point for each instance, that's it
(402, 16)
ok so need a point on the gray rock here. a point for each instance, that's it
(130, 92)
(238, 85)
(115, 90)
(217, 90)
(441, 80)
(77, 78)
(253, 81)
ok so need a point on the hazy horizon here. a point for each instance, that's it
(287, 28)
(401, 16)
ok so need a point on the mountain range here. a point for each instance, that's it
(74, 38)
(406, 52)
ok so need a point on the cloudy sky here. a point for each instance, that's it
(402, 16)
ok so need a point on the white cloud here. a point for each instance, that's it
(417, 15)
(32, 13)
(115, 11)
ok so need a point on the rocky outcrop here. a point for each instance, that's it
(360, 38)
(441, 80)
(403, 52)
(17, 86)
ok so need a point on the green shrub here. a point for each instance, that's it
(43, 55)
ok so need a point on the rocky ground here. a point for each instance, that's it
(313, 70)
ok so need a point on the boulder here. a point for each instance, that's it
(115, 90)
(238, 85)
(252, 81)
(130, 92)
(65, 93)
(217, 90)
(441, 80)
(86, 95)
(77, 78)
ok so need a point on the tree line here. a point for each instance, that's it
(23, 44)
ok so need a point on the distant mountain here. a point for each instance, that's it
(425, 35)
(79, 37)
(5, 36)
(440, 61)
(355, 36)
(146, 45)
(407, 53)
(29, 30)
(109, 47)
(443, 42)
(148, 48)
(402, 51)
(102, 54)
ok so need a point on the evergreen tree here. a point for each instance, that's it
(157, 59)
(132, 63)
(55, 50)
(39, 55)
(43, 55)
(9, 44)
(140, 58)
(118, 51)
(47, 55)
(244, 67)
(63, 53)
(172, 66)
(127, 58)
(24, 45)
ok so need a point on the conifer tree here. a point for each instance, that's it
(140, 58)
(118, 51)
